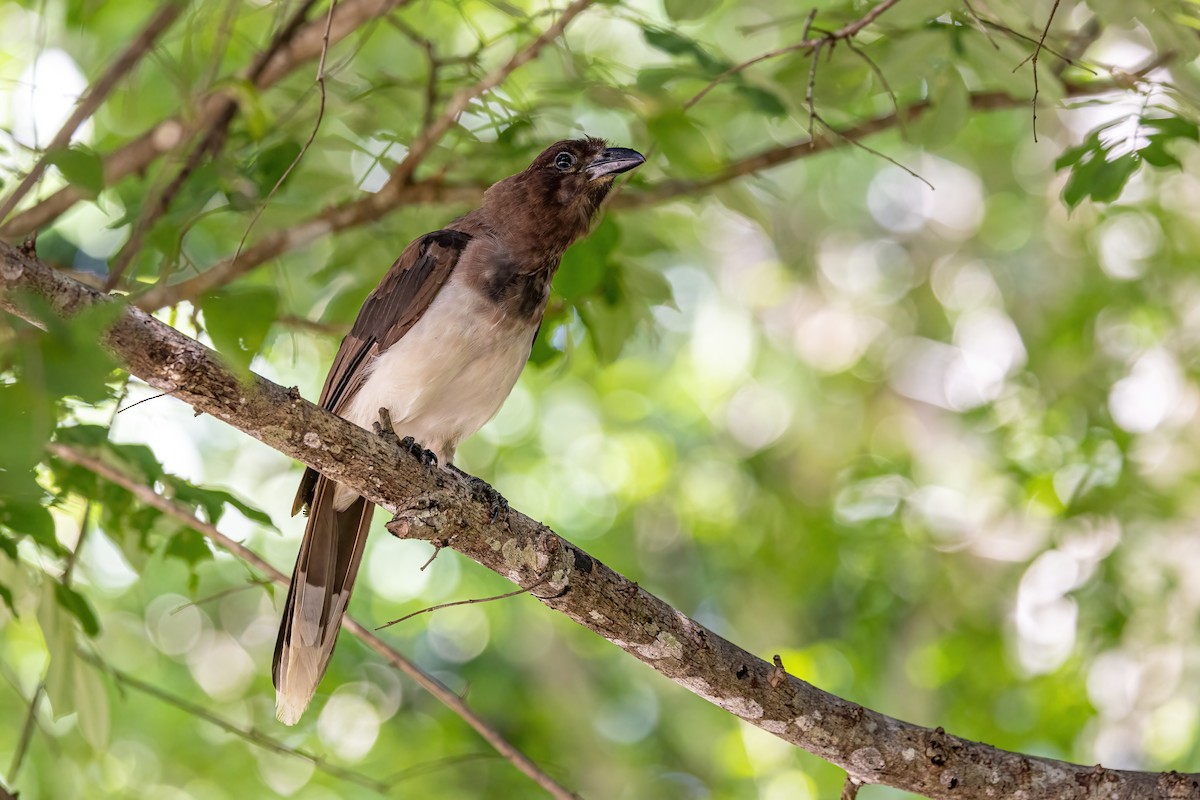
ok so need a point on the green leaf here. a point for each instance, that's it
(584, 264)
(32, 519)
(1156, 155)
(1173, 127)
(91, 701)
(649, 286)
(238, 321)
(140, 457)
(189, 546)
(272, 163)
(68, 359)
(7, 596)
(950, 112)
(668, 41)
(677, 44)
(82, 435)
(762, 99)
(27, 416)
(250, 105)
(59, 636)
(213, 501)
(1073, 155)
(689, 9)
(1108, 181)
(8, 545)
(81, 166)
(78, 606)
(682, 142)
(609, 327)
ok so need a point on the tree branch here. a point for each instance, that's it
(370, 208)
(215, 133)
(845, 32)
(782, 154)
(147, 495)
(303, 46)
(250, 735)
(346, 215)
(133, 53)
(437, 504)
(431, 134)
(400, 190)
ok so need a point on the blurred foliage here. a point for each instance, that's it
(937, 448)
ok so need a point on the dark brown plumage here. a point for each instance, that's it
(440, 344)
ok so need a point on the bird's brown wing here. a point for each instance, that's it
(333, 542)
(388, 313)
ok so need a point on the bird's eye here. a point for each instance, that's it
(564, 161)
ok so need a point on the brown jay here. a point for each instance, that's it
(439, 344)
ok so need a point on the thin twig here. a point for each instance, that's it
(219, 595)
(439, 690)
(430, 135)
(434, 765)
(143, 400)
(250, 735)
(472, 601)
(345, 215)
(135, 156)
(887, 87)
(355, 213)
(845, 32)
(979, 24)
(73, 556)
(1061, 56)
(435, 64)
(141, 44)
(399, 189)
(1078, 45)
(307, 143)
(210, 144)
(26, 732)
(809, 94)
(872, 151)
(438, 546)
(870, 745)
(327, 328)
(1036, 52)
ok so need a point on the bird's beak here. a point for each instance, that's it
(613, 161)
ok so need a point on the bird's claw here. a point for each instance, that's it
(485, 491)
(426, 457)
(383, 427)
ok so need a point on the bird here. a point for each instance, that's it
(437, 347)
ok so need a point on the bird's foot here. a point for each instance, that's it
(426, 457)
(484, 491)
(384, 428)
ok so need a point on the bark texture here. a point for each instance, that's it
(443, 508)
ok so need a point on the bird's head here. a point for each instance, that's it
(560, 192)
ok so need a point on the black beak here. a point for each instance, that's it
(614, 161)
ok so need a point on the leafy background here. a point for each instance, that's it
(935, 447)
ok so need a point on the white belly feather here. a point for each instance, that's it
(447, 376)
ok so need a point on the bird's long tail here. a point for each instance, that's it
(317, 598)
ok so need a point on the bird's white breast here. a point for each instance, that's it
(449, 374)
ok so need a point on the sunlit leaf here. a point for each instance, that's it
(238, 321)
(91, 701)
(78, 606)
(81, 166)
